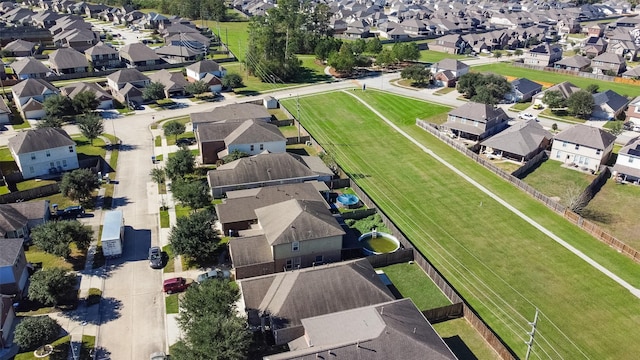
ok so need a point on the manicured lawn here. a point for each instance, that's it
(507, 166)
(159, 157)
(502, 265)
(195, 152)
(33, 183)
(435, 56)
(35, 255)
(279, 114)
(184, 120)
(18, 123)
(60, 350)
(233, 33)
(520, 106)
(444, 90)
(164, 219)
(289, 131)
(461, 338)
(507, 69)
(84, 147)
(553, 180)
(157, 141)
(171, 303)
(182, 211)
(171, 140)
(252, 84)
(612, 209)
(171, 262)
(62, 201)
(413, 283)
(561, 116)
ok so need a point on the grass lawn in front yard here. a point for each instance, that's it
(171, 303)
(157, 141)
(60, 351)
(553, 180)
(184, 120)
(507, 69)
(520, 106)
(18, 123)
(561, 116)
(411, 282)
(182, 211)
(36, 256)
(85, 149)
(164, 219)
(444, 90)
(502, 265)
(171, 261)
(171, 140)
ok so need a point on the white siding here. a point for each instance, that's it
(583, 156)
(629, 161)
(253, 149)
(35, 114)
(38, 163)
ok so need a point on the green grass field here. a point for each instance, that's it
(553, 180)
(435, 56)
(413, 283)
(233, 33)
(502, 265)
(507, 69)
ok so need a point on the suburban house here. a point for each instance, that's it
(20, 48)
(275, 301)
(608, 105)
(68, 61)
(633, 112)
(126, 85)
(523, 90)
(28, 95)
(43, 151)
(77, 38)
(450, 44)
(519, 142)
(17, 219)
(5, 113)
(103, 56)
(565, 88)
(447, 71)
(594, 46)
(596, 30)
(200, 69)
(232, 112)
(575, 63)
(105, 99)
(174, 82)
(138, 54)
(175, 54)
(30, 68)
(392, 330)
(608, 62)
(266, 170)
(476, 121)
(627, 167)
(219, 139)
(633, 73)
(543, 55)
(237, 210)
(13, 267)
(583, 146)
(214, 82)
(7, 318)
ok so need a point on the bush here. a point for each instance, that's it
(94, 296)
(33, 332)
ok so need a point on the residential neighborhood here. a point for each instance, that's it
(446, 180)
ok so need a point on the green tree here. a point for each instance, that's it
(358, 46)
(194, 236)
(52, 286)
(343, 61)
(55, 237)
(385, 58)
(210, 297)
(554, 99)
(225, 336)
(216, 9)
(418, 73)
(153, 91)
(617, 128)
(79, 184)
(232, 81)
(196, 88)
(467, 84)
(91, 126)
(50, 121)
(35, 331)
(158, 175)
(234, 155)
(491, 89)
(84, 102)
(194, 194)
(405, 51)
(57, 106)
(518, 52)
(326, 46)
(593, 88)
(374, 46)
(174, 128)
(497, 54)
(181, 164)
(580, 104)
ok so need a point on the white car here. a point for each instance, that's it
(527, 116)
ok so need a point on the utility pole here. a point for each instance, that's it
(531, 334)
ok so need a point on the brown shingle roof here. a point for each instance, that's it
(585, 135)
(39, 139)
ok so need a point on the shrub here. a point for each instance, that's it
(94, 296)
(33, 332)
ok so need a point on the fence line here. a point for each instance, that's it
(566, 71)
(576, 219)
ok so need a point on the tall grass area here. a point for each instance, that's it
(501, 264)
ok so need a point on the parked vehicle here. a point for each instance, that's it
(158, 356)
(133, 105)
(185, 141)
(214, 274)
(73, 211)
(112, 233)
(174, 285)
(527, 116)
(155, 257)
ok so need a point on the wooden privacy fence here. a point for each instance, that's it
(566, 71)
(576, 219)
(26, 195)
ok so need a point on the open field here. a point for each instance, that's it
(551, 77)
(502, 265)
(435, 56)
(553, 180)
(613, 208)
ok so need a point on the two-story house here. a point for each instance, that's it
(77, 38)
(68, 61)
(138, 54)
(103, 56)
(30, 94)
(450, 44)
(17, 219)
(583, 146)
(543, 55)
(475, 121)
(43, 151)
(447, 71)
(13, 267)
(5, 113)
(633, 112)
(575, 63)
(199, 70)
(127, 84)
(627, 167)
(608, 63)
(219, 139)
(30, 68)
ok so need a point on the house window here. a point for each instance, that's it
(261, 146)
(252, 148)
(48, 153)
(577, 147)
(51, 164)
(289, 264)
(71, 148)
(558, 154)
(564, 144)
(31, 170)
(33, 156)
(295, 246)
(598, 151)
(630, 159)
(64, 163)
(319, 259)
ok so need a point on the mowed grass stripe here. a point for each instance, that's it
(496, 260)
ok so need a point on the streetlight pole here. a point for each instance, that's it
(75, 351)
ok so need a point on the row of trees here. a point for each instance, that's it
(347, 58)
(487, 89)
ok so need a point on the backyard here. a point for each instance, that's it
(481, 248)
(555, 181)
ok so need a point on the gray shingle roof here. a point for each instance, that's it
(100, 49)
(525, 85)
(9, 250)
(520, 139)
(171, 80)
(242, 111)
(450, 64)
(612, 99)
(39, 139)
(250, 250)
(205, 66)
(609, 58)
(174, 50)
(65, 58)
(565, 88)
(477, 111)
(29, 66)
(127, 75)
(15, 216)
(32, 87)
(577, 61)
(138, 52)
(73, 90)
(292, 296)
(585, 135)
(240, 132)
(20, 45)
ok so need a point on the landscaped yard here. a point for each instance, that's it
(413, 283)
(507, 69)
(462, 338)
(289, 131)
(553, 180)
(435, 56)
(171, 303)
(501, 264)
(37, 256)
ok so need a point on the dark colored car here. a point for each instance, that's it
(174, 285)
(135, 106)
(73, 211)
(185, 141)
(155, 257)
